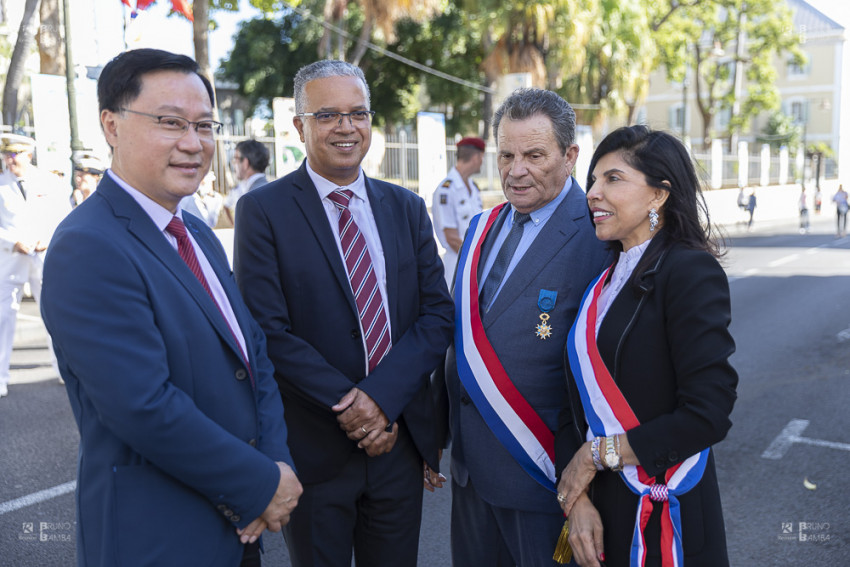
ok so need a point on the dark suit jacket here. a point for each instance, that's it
(171, 432)
(289, 268)
(564, 257)
(668, 350)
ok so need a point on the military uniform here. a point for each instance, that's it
(453, 207)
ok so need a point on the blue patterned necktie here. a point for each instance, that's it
(502, 261)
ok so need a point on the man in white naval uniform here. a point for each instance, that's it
(457, 200)
(32, 203)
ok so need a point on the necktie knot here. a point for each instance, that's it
(176, 228)
(341, 197)
(521, 218)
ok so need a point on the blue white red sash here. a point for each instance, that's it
(508, 415)
(608, 413)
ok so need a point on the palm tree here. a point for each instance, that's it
(17, 63)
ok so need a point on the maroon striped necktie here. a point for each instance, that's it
(184, 247)
(364, 283)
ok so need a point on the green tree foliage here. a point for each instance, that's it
(781, 130)
(703, 37)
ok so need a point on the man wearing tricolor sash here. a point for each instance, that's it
(651, 387)
(521, 272)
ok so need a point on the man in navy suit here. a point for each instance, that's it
(180, 418)
(522, 271)
(342, 273)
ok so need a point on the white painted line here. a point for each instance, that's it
(792, 434)
(26, 317)
(784, 260)
(843, 335)
(37, 497)
(785, 439)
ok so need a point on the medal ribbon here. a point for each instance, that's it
(608, 413)
(505, 411)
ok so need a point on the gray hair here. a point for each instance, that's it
(322, 70)
(525, 103)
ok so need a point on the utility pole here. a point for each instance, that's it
(70, 81)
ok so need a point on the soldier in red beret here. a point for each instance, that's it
(457, 200)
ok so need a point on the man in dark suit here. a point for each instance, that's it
(343, 275)
(523, 269)
(180, 418)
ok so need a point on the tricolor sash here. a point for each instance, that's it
(608, 413)
(508, 415)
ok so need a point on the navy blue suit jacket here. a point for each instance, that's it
(290, 271)
(563, 258)
(177, 449)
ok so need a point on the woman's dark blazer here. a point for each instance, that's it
(666, 342)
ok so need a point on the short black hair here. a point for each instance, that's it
(120, 81)
(256, 153)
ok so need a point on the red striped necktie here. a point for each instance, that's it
(184, 247)
(364, 283)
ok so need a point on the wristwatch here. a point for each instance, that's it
(612, 455)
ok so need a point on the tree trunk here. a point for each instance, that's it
(360, 48)
(17, 63)
(51, 48)
(200, 35)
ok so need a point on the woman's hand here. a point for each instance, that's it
(576, 478)
(586, 533)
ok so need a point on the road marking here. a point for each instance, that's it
(784, 260)
(26, 317)
(792, 434)
(37, 497)
(844, 335)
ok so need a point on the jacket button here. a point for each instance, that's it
(355, 334)
(660, 464)
(221, 507)
(235, 519)
(252, 442)
(228, 512)
(241, 374)
(464, 399)
(673, 456)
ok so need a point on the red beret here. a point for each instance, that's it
(477, 142)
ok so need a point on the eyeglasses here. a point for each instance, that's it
(356, 118)
(175, 127)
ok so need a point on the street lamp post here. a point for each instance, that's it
(70, 81)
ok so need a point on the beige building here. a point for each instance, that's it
(814, 94)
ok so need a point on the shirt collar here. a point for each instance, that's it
(158, 214)
(326, 187)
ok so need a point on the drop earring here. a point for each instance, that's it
(653, 219)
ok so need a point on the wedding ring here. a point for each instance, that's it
(363, 429)
(562, 498)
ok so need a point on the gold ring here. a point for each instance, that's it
(562, 498)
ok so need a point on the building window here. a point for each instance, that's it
(796, 71)
(722, 118)
(798, 110)
(677, 117)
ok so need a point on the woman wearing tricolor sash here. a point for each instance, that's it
(649, 367)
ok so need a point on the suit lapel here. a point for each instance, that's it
(307, 199)
(140, 225)
(383, 215)
(559, 229)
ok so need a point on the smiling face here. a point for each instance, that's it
(532, 167)
(620, 201)
(163, 168)
(335, 151)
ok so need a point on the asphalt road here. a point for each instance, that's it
(782, 469)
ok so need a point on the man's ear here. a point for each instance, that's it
(299, 125)
(109, 123)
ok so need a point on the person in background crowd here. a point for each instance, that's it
(250, 160)
(651, 387)
(457, 200)
(342, 273)
(205, 203)
(174, 397)
(803, 206)
(841, 206)
(88, 170)
(32, 203)
(522, 269)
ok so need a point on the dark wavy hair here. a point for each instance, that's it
(661, 157)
